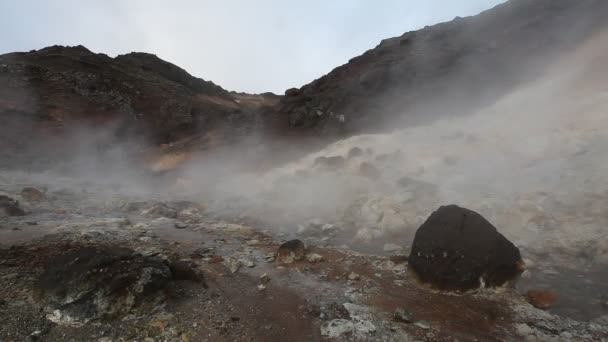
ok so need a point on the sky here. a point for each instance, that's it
(245, 46)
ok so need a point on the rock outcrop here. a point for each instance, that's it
(457, 249)
(101, 282)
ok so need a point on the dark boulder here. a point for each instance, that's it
(101, 283)
(290, 251)
(457, 249)
(10, 207)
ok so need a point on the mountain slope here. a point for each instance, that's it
(446, 69)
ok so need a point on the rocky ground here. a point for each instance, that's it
(235, 288)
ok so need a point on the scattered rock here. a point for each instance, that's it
(402, 315)
(314, 257)
(457, 249)
(100, 282)
(542, 299)
(33, 195)
(10, 207)
(291, 251)
(180, 225)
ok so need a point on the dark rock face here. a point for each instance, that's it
(456, 249)
(101, 282)
(10, 207)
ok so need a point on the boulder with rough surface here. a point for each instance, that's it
(101, 282)
(458, 249)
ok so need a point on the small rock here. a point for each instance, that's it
(542, 299)
(232, 264)
(391, 248)
(291, 251)
(314, 257)
(261, 287)
(180, 225)
(248, 263)
(423, 325)
(353, 276)
(402, 315)
(264, 278)
(270, 256)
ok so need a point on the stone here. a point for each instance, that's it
(32, 195)
(541, 299)
(314, 257)
(264, 278)
(402, 315)
(180, 225)
(457, 249)
(101, 282)
(232, 264)
(353, 276)
(261, 287)
(10, 207)
(291, 251)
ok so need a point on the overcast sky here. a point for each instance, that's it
(245, 45)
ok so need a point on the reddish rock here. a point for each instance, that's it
(542, 299)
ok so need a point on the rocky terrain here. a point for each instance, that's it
(448, 184)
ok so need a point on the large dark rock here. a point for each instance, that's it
(457, 249)
(101, 282)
